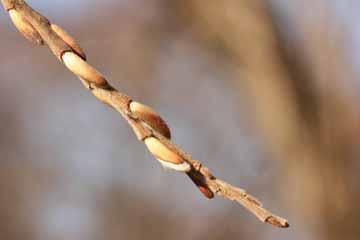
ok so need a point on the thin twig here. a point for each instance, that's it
(146, 125)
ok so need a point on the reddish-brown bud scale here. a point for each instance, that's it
(201, 186)
(149, 116)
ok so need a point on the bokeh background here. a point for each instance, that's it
(265, 93)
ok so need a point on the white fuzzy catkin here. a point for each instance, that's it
(183, 167)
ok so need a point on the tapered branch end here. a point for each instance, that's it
(277, 221)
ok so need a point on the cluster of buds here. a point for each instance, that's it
(169, 158)
(74, 59)
(39, 30)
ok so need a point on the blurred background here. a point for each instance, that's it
(264, 93)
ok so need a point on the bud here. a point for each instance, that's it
(68, 40)
(82, 69)
(149, 116)
(204, 189)
(25, 27)
(165, 156)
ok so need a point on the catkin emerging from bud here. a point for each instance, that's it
(167, 157)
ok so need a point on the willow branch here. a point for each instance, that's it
(145, 123)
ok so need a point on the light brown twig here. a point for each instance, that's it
(147, 125)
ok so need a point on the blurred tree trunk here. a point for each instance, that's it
(300, 89)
